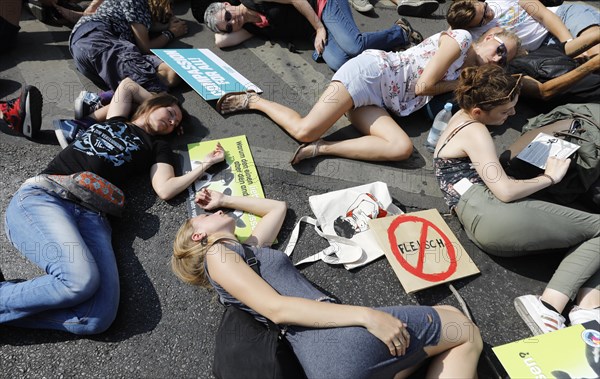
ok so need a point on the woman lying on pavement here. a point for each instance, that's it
(535, 24)
(70, 241)
(114, 43)
(337, 36)
(370, 342)
(496, 212)
(375, 84)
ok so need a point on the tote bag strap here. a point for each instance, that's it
(352, 252)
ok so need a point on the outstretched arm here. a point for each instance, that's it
(167, 185)
(547, 18)
(581, 44)
(232, 39)
(272, 213)
(553, 87)
(127, 95)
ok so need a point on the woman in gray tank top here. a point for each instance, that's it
(369, 342)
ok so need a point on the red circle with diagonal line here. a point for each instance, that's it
(418, 271)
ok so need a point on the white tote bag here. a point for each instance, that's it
(342, 217)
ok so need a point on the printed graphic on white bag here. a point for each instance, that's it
(356, 220)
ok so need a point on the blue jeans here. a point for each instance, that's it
(344, 39)
(80, 291)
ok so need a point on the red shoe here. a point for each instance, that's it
(24, 113)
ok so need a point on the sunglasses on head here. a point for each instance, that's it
(507, 97)
(501, 51)
(485, 9)
(227, 18)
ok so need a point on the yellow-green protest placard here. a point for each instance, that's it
(237, 176)
(573, 352)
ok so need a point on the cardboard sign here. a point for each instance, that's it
(205, 72)
(422, 249)
(573, 352)
(237, 176)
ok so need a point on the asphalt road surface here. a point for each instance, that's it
(165, 328)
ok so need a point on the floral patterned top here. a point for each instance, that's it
(118, 15)
(449, 171)
(401, 70)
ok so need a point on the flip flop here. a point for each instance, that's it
(242, 107)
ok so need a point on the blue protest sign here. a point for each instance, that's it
(205, 72)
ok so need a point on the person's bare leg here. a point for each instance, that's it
(383, 140)
(457, 353)
(557, 299)
(167, 76)
(588, 298)
(332, 104)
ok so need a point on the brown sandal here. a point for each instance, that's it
(242, 106)
(315, 151)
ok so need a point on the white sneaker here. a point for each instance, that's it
(361, 5)
(580, 315)
(538, 318)
(417, 8)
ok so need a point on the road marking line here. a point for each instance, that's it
(418, 181)
(294, 71)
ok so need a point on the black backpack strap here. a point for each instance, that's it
(251, 259)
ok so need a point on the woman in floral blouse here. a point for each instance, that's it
(374, 84)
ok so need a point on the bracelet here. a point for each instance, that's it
(169, 34)
(549, 177)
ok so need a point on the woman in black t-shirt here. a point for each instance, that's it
(70, 242)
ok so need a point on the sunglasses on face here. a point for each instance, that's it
(485, 9)
(501, 51)
(227, 18)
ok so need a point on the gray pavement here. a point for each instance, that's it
(165, 328)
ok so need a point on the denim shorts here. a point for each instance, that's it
(578, 17)
(362, 78)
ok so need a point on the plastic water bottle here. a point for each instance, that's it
(439, 125)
